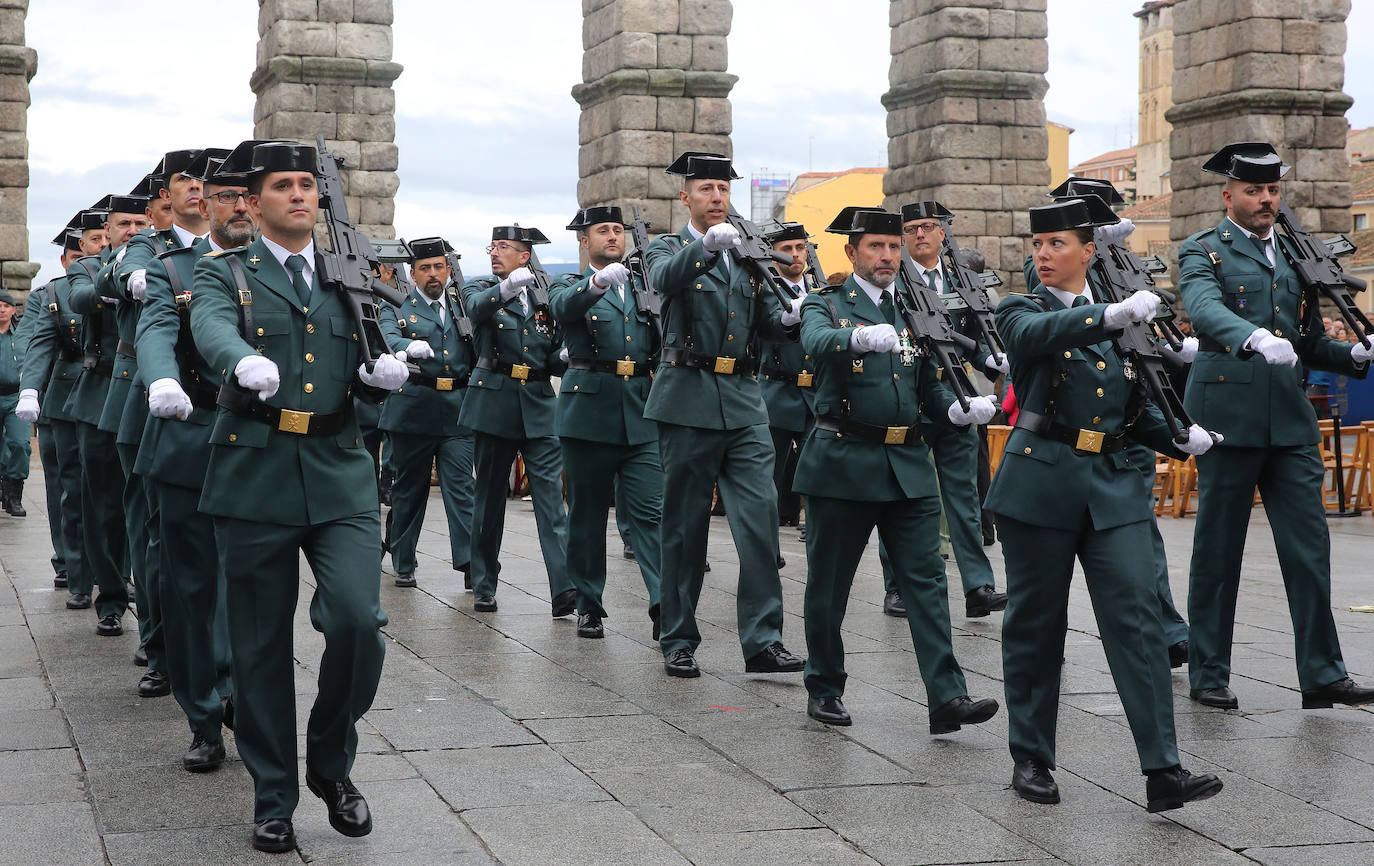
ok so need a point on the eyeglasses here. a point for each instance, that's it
(502, 247)
(228, 196)
(920, 228)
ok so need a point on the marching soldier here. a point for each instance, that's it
(866, 465)
(15, 450)
(712, 421)
(607, 442)
(509, 408)
(1246, 382)
(421, 417)
(1066, 489)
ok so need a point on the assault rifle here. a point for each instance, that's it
(647, 300)
(1321, 274)
(813, 261)
(932, 331)
(972, 291)
(461, 322)
(756, 254)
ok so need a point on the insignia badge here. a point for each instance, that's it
(845, 323)
(1226, 234)
(541, 324)
(906, 349)
(413, 318)
(1128, 370)
(167, 241)
(254, 260)
(853, 294)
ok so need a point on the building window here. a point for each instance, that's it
(1361, 221)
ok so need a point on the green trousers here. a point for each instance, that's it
(1175, 629)
(622, 514)
(493, 458)
(1123, 586)
(195, 625)
(139, 517)
(411, 456)
(596, 472)
(740, 463)
(104, 539)
(16, 448)
(67, 452)
(837, 532)
(261, 570)
(52, 493)
(787, 445)
(1290, 483)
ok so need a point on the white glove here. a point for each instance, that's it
(258, 373)
(980, 411)
(1199, 441)
(419, 349)
(511, 285)
(1117, 232)
(1139, 307)
(873, 338)
(166, 399)
(614, 274)
(1359, 354)
(1276, 350)
(719, 237)
(1188, 351)
(792, 315)
(388, 372)
(563, 354)
(138, 284)
(119, 256)
(1002, 366)
(27, 408)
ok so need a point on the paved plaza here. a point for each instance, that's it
(504, 738)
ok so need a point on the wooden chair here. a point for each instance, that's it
(1185, 487)
(997, 444)
(1164, 485)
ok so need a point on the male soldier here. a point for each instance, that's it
(1246, 384)
(866, 465)
(15, 450)
(288, 475)
(509, 408)
(955, 448)
(105, 537)
(606, 439)
(421, 418)
(712, 422)
(172, 462)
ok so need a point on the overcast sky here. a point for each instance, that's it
(486, 125)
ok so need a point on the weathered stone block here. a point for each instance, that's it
(335, 10)
(271, 11)
(646, 16)
(713, 116)
(1023, 142)
(697, 141)
(709, 17)
(378, 211)
(1266, 70)
(1321, 165)
(708, 53)
(999, 223)
(372, 12)
(675, 114)
(302, 125)
(379, 156)
(1321, 72)
(312, 38)
(376, 184)
(674, 51)
(997, 112)
(374, 100)
(335, 70)
(367, 127)
(351, 151)
(364, 41)
(1002, 171)
(964, 21)
(333, 97)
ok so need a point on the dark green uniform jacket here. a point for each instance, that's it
(421, 409)
(99, 336)
(54, 345)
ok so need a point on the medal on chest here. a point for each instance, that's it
(1128, 370)
(906, 349)
(542, 324)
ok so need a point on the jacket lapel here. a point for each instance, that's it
(265, 268)
(1240, 242)
(860, 305)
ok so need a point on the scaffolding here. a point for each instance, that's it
(765, 191)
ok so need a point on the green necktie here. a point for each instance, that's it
(1080, 301)
(295, 265)
(887, 309)
(930, 280)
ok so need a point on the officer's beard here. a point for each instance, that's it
(432, 289)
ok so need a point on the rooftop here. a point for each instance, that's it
(1156, 208)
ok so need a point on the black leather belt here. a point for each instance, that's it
(721, 366)
(870, 432)
(6, 390)
(439, 383)
(1208, 344)
(98, 365)
(242, 404)
(804, 379)
(626, 369)
(127, 349)
(523, 372)
(1086, 441)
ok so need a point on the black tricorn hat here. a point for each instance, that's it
(700, 165)
(518, 233)
(1099, 212)
(92, 217)
(64, 237)
(129, 203)
(428, 248)
(591, 216)
(174, 162)
(1081, 187)
(71, 241)
(284, 156)
(1250, 161)
(785, 231)
(925, 210)
(149, 184)
(205, 163)
(237, 164)
(865, 220)
(1071, 213)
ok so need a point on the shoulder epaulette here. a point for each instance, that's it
(484, 282)
(166, 254)
(216, 253)
(828, 288)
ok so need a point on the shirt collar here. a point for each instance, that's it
(1067, 298)
(692, 230)
(439, 301)
(184, 235)
(280, 253)
(214, 247)
(1251, 235)
(875, 294)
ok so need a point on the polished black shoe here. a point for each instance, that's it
(14, 504)
(226, 712)
(828, 710)
(203, 756)
(774, 659)
(1032, 781)
(109, 626)
(484, 603)
(893, 604)
(1343, 691)
(989, 537)
(1178, 654)
(407, 579)
(565, 603)
(141, 656)
(274, 836)
(1171, 788)
(154, 685)
(782, 563)
(628, 553)
(79, 601)
(679, 663)
(960, 711)
(983, 601)
(59, 580)
(589, 625)
(1220, 697)
(348, 812)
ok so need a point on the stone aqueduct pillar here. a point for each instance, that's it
(17, 65)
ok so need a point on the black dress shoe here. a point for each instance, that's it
(484, 603)
(679, 663)
(774, 659)
(109, 626)
(983, 601)
(79, 601)
(960, 711)
(782, 563)
(1343, 691)
(141, 656)
(628, 553)
(274, 836)
(1178, 654)
(589, 625)
(1171, 788)
(828, 710)
(203, 756)
(989, 538)
(1032, 781)
(893, 604)
(407, 579)
(348, 812)
(1220, 697)
(59, 580)
(154, 685)
(565, 603)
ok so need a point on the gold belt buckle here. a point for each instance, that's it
(896, 435)
(804, 380)
(245, 298)
(1089, 440)
(625, 368)
(520, 371)
(725, 366)
(443, 384)
(294, 422)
